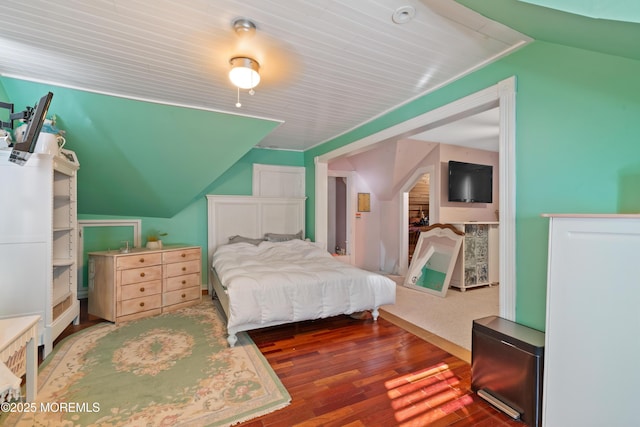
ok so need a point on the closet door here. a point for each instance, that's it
(593, 320)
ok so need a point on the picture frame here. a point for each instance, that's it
(364, 202)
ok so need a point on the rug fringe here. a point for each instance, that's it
(266, 412)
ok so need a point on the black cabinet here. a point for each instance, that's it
(506, 367)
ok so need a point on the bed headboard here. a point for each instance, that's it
(252, 216)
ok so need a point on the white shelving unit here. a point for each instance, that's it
(38, 242)
(479, 259)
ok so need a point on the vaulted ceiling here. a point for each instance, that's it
(142, 87)
(327, 66)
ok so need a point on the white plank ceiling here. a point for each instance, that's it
(327, 66)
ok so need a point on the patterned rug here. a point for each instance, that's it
(175, 369)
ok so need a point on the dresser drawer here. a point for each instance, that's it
(183, 295)
(137, 305)
(181, 255)
(182, 282)
(140, 290)
(180, 268)
(138, 275)
(138, 260)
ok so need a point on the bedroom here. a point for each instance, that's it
(577, 109)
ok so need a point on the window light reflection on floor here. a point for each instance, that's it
(424, 396)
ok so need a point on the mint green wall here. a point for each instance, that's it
(4, 97)
(576, 151)
(143, 158)
(189, 226)
(238, 179)
(577, 146)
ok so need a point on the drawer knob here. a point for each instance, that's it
(141, 304)
(184, 268)
(142, 289)
(142, 274)
(184, 295)
(184, 282)
(141, 259)
(184, 255)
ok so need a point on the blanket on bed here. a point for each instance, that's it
(292, 281)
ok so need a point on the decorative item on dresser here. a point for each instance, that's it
(143, 282)
(38, 241)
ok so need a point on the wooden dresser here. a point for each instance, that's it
(143, 282)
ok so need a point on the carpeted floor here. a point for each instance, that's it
(450, 317)
(170, 370)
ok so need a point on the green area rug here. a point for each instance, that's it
(175, 369)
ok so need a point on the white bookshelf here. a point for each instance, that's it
(38, 242)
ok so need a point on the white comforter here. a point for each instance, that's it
(293, 281)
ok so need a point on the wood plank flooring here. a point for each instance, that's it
(348, 372)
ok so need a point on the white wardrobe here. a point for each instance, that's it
(592, 343)
(38, 242)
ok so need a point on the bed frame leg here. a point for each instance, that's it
(375, 313)
(232, 339)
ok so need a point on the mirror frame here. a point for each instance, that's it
(429, 243)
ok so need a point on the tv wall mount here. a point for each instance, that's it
(25, 115)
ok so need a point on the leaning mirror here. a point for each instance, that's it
(434, 259)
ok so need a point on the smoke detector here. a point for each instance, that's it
(403, 14)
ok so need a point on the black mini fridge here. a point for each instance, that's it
(506, 367)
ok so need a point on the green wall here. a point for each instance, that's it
(577, 146)
(5, 98)
(142, 158)
(189, 226)
(576, 151)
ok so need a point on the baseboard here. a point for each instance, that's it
(454, 349)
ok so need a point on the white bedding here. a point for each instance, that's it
(292, 281)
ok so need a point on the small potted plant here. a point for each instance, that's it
(154, 240)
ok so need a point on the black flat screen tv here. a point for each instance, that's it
(470, 182)
(35, 119)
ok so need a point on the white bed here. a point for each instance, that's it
(273, 283)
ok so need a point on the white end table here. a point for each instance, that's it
(16, 333)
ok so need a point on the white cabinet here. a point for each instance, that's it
(478, 262)
(593, 317)
(38, 242)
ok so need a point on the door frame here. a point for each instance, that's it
(403, 260)
(350, 213)
(502, 95)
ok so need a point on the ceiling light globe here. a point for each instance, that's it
(244, 72)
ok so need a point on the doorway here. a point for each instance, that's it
(417, 211)
(501, 95)
(340, 205)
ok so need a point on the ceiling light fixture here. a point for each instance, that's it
(245, 71)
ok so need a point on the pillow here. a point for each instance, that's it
(242, 239)
(274, 237)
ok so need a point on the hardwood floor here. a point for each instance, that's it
(347, 372)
